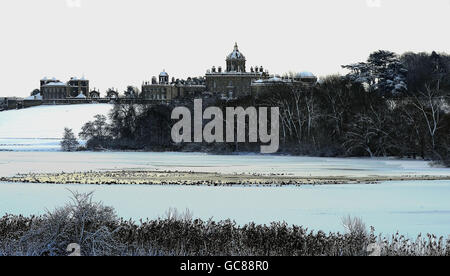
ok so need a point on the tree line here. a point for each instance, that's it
(389, 105)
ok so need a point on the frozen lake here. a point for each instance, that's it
(12, 163)
(33, 135)
(408, 207)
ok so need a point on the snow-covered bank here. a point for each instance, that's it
(40, 128)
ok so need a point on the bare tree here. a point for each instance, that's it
(355, 226)
(430, 105)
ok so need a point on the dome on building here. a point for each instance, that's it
(306, 77)
(236, 61)
(305, 74)
(164, 77)
(235, 54)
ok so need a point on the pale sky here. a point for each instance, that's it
(116, 43)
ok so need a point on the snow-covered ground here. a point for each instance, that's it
(40, 128)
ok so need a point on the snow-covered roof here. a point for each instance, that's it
(47, 79)
(81, 96)
(58, 83)
(234, 73)
(275, 79)
(235, 54)
(271, 80)
(33, 98)
(305, 74)
(77, 79)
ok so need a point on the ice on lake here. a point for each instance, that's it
(12, 163)
(33, 134)
(408, 207)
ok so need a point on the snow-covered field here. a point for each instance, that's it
(41, 128)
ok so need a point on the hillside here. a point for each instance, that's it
(40, 128)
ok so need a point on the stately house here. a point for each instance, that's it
(233, 82)
(54, 89)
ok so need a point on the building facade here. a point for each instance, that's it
(163, 90)
(54, 89)
(112, 93)
(235, 81)
(264, 86)
(94, 94)
(78, 86)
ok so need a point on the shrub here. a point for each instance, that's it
(98, 231)
(87, 223)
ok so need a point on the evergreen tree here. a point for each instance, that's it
(382, 73)
(69, 142)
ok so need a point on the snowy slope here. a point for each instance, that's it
(41, 127)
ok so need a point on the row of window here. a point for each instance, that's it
(54, 95)
(75, 83)
(56, 89)
(155, 90)
(156, 96)
(62, 90)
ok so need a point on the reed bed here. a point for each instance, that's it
(99, 232)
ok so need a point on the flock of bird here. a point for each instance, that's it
(188, 178)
